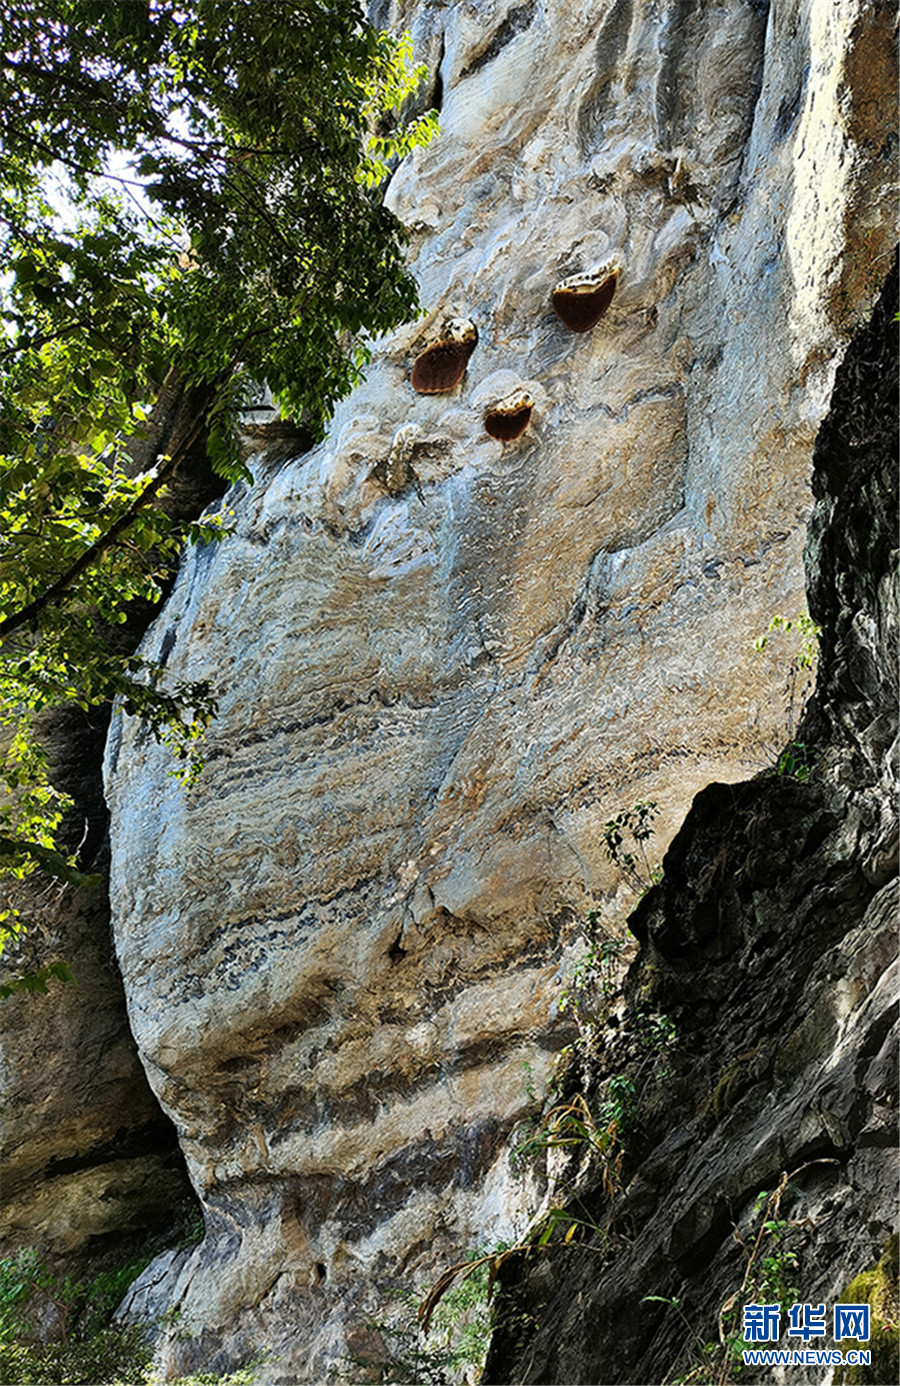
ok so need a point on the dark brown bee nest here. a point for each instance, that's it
(510, 416)
(441, 366)
(581, 300)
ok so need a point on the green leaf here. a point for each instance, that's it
(35, 983)
(255, 255)
(51, 861)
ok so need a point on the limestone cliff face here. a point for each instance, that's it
(88, 1157)
(442, 667)
(771, 945)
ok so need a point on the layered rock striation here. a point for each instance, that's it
(444, 660)
(771, 946)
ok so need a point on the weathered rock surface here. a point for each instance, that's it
(88, 1153)
(444, 662)
(772, 945)
(89, 1159)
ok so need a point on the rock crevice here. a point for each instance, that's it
(771, 948)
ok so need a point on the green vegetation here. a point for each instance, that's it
(878, 1287)
(572, 1124)
(597, 971)
(83, 1347)
(569, 1125)
(462, 1321)
(770, 1276)
(598, 1129)
(244, 1376)
(595, 980)
(447, 1343)
(635, 823)
(114, 1357)
(808, 635)
(479, 1272)
(792, 762)
(593, 1133)
(804, 636)
(189, 202)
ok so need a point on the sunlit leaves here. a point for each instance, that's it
(35, 983)
(393, 78)
(185, 193)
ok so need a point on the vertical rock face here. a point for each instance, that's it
(445, 660)
(88, 1157)
(87, 1153)
(771, 948)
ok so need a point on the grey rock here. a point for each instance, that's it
(771, 944)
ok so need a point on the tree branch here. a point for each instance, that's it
(35, 343)
(51, 594)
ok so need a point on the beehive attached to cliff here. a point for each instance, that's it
(442, 365)
(581, 300)
(509, 417)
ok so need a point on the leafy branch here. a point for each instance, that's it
(251, 244)
(636, 823)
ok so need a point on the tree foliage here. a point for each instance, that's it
(189, 196)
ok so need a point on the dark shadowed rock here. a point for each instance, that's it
(771, 945)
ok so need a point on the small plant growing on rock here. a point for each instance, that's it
(769, 1277)
(591, 989)
(572, 1124)
(635, 823)
(591, 1132)
(441, 1342)
(792, 762)
(801, 669)
(597, 970)
(595, 980)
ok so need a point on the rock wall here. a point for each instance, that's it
(772, 946)
(88, 1155)
(89, 1159)
(444, 665)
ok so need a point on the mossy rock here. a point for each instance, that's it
(878, 1288)
(730, 1081)
(813, 1039)
(119, 1355)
